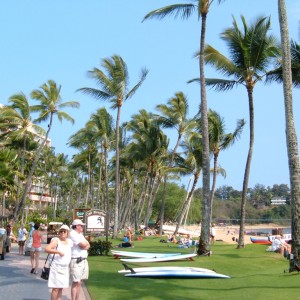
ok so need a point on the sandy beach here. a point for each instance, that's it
(229, 234)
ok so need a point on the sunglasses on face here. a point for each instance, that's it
(62, 231)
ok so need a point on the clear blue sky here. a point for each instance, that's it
(63, 39)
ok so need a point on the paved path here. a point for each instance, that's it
(17, 283)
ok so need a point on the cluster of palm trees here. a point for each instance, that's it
(120, 168)
(145, 160)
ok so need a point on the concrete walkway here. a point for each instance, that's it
(17, 283)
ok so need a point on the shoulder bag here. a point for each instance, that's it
(46, 270)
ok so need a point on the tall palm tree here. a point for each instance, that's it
(149, 146)
(192, 148)
(185, 11)
(251, 50)
(114, 84)
(50, 104)
(101, 123)
(219, 140)
(174, 114)
(291, 136)
(84, 139)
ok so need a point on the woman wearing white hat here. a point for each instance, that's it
(59, 276)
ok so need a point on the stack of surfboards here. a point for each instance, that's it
(166, 271)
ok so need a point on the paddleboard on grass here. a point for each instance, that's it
(177, 274)
(158, 259)
(141, 254)
(163, 269)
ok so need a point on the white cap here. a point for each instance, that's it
(77, 222)
(66, 227)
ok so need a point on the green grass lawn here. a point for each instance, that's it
(255, 274)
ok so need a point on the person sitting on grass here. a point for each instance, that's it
(279, 245)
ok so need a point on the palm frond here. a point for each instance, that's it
(221, 84)
(183, 11)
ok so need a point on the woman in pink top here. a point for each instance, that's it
(36, 248)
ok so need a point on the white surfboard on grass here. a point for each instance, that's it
(128, 270)
(141, 254)
(191, 274)
(162, 258)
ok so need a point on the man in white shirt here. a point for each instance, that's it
(79, 266)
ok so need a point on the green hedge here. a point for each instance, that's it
(99, 247)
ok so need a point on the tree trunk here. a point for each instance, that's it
(241, 243)
(187, 203)
(213, 187)
(291, 136)
(117, 176)
(204, 243)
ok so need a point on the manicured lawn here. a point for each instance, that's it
(255, 274)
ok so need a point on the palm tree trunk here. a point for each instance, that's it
(241, 243)
(117, 176)
(291, 136)
(204, 243)
(213, 187)
(162, 208)
(187, 203)
(107, 206)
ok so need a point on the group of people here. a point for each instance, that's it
(67, 255)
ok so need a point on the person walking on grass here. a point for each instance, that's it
(79, 267)
(36, 248)
(59, 277)
(212, 233)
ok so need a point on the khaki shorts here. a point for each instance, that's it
(79, 271)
